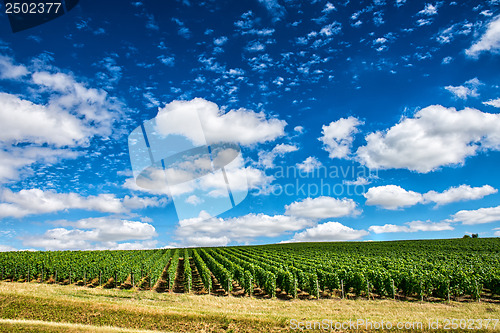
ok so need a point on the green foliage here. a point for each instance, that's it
(187, 271)
(221, 273)
(435, 268)
(172, 269)
(202, 270)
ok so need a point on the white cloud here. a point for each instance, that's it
(266, 158)
(489, 41)
(436, 136)
(299, 129)
(21, 120)
(8, 70)
(329, 7)
(387, 228)
(241, 179)
(205, 241)
(448, 34)
(413, 226)
(144, 245)
(93, 106)
(220, 41)
(328, 232)
(487, 13)
(134, 202)
(322, 208)
(469, 89)
(194, 200)
(460, 193)
(391, 197)
(213, 231)
(309, 164)
(423, 22)
(7, 248)
(429, 10)
(338, 136)
(58, 115)
(255, 46)
(447, 60)
(167, 60)
(395, 197)
(242, 126)
(94, 233)
(16, 160)
(331, 29)
(182, 30)
(359, 181)
(276, 10)
(479, 216)
(493, 102)
(36, 201)
(113, 230)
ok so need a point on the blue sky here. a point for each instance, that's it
(371, 120)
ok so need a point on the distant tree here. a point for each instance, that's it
(466, 236)
(475, 236)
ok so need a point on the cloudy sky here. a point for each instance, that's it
(357, 120)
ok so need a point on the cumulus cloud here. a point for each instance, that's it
(36, 201)
(429, 10)
(413, 226)
(322, 208)
(22, 120)
(339, 135)
(468, 89)
(6, 248)
(460, 193)
(91, 105)
(8, 70)
(255, 46)
(391, 197)
(299, 129)
(478, 216)
(58, 115)
(493, 102)
(94, 233)
(309, 164)
(266, 158)
(394, 197)
(212, 231)
(489, 41)
(328, 232)
(241, 126)
(331, 29)
(436, 136)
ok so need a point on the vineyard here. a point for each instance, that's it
(457, 269)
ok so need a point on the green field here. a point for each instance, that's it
(259, 288)
(426, 270)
